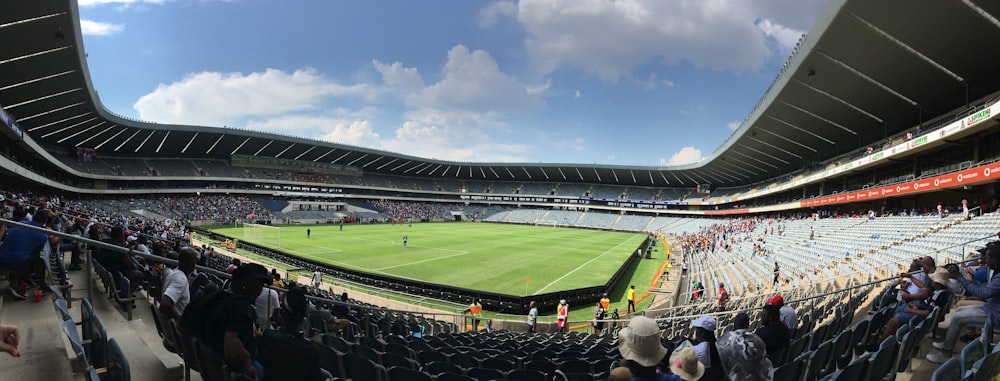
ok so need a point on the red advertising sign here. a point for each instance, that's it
(969, 176)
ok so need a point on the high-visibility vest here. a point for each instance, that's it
(563, 314)
(605, 302)
(631, 294)
(475, 309)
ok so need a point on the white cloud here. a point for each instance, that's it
(398, 76)
(335, 130)
(97, 28)
(214, 98)
(491, 14)
(732, 126)
(715, 34)
(473, 81)
(686, 155)
(454, 135)
(786, 37)
(578, 95)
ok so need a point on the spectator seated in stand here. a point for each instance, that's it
(916, 306)
(972, 314)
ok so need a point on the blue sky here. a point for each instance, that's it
(628, 82)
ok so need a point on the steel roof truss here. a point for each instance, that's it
(526, 172)
(356, 160)
(64, 92)
(307, 151)
(906, 47)
(848, 130)
(81, 131)
(30, 81)
(543, 172)
(67, 127)
(32, 19)
(866, 77)
(390, 162)
(762, 153)
(373, 161)
(186, 146)
(262, 148)
(838, 99)
(341, 157)
(35, 54)
(161, 142)
(110, 139)
(324, 155)
(52, 111)
(210, 149)
(779, 148)
(57, 122)
(284, 150)
(127, 140)
(144, 141)
(95, 135)
(240, 146)
(801, 129)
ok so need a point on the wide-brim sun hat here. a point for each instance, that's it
(640, 342)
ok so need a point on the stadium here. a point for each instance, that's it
(877, 143)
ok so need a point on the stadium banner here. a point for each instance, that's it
(8, 120)
(598, 201)
(969, 176)
(942, 133)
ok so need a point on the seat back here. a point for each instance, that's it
(398, 373)
(117, 366)
(525, 375)
(98, 353)
(972, 352)
(212, 366)
(989, 368)
(950, 370)
(882, 360)
(791, 371)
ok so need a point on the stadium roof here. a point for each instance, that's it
(866, 70)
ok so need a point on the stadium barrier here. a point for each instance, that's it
(495, 302)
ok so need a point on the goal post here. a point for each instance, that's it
(262, 234)
(549, 223)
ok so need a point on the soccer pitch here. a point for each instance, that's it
(508, 259)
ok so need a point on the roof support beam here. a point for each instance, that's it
(866, 77)
(324, 155)
(81, 131)
(212, 148)
(128, 140)
(810, 113)
(54, 110)
(159, 146)
(762, 153)
(186, 146)
(307, 151)
(144, 141)
(110, 139)
(57, 122)
(800, 129)
(240, 146)
(96, 135)
(753, 158)
(262, 148)
(906, 47)
(843, 102)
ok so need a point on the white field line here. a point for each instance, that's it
(579, 267)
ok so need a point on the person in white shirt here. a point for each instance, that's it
(317, 279)
(265, 304)
(176, 290)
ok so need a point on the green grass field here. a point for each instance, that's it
(488, 257)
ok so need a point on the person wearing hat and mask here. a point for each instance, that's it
(916, 308)
(788, 314)
(743, 357)
(639, 345)
(704, 345)
(562, 315)
(224, 320)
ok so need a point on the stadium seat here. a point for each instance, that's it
(212, 366)
(792, 370)
(358, 368)
(464, 361)
(485, 374)
(971, 352)
(397, 373)
(117, 366)
(438, 367)
(883, 359)
(951, 370)
(391, 359)
(498, 364)
(525, 375)
(454, 377)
